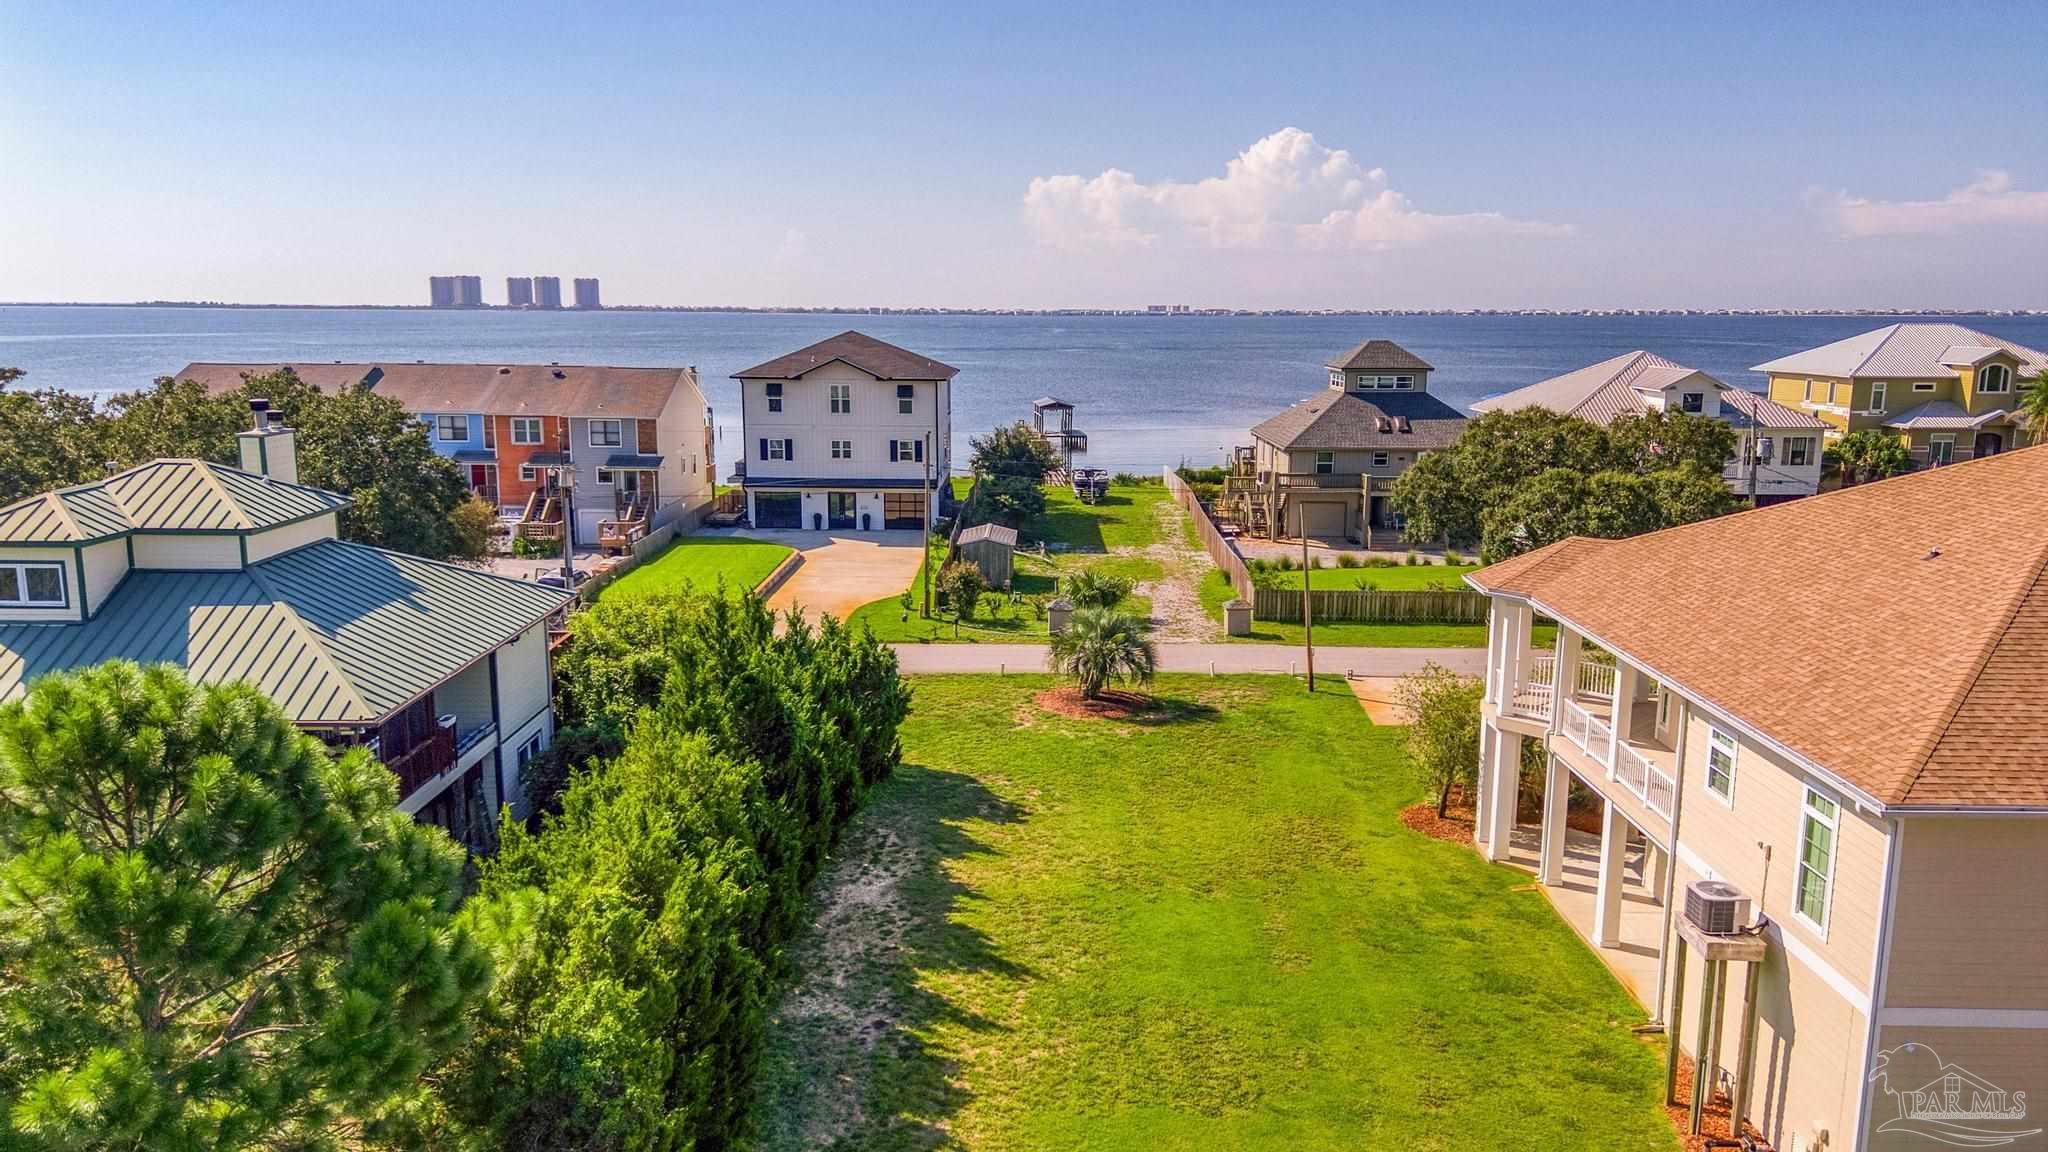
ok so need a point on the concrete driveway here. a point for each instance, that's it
(843, 570)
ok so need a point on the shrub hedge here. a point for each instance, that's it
(637, 934)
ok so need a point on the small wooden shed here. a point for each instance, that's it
(992, 548)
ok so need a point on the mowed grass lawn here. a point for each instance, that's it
(702, 561)
(1401, 578)
(1076, 536)
(1202, 930)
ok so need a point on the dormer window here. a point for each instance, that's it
(1336, 379)
(1693, 402)
(30, 585)
(1994, 378)
(1403, 383)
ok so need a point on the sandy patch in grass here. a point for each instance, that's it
(1376, 695)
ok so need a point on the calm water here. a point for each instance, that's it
(1149, 391)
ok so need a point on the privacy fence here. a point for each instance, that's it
(1430, 606)
(1220, 549)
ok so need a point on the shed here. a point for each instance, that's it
(992, 548)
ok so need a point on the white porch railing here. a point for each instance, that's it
(1531, 698)
(1544, 672)
(1591, 735)
(1595, 680)
(1650, 784)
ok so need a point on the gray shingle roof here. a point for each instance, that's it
(882, 360)
(599, 390)
(1340, 420)
(1378, 354)
(336, 633)
(1924, 350)
(163, 496)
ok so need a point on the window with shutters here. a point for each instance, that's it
(776, 450)
(906, 451)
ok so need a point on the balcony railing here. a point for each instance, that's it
(425, 761)
(1590, 733)
(1595, 680)
(1650, 784)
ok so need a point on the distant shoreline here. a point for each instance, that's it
(1138, 313)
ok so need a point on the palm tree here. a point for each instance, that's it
(2034, 409)
(1101, 645)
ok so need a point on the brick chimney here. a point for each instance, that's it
(268, 447)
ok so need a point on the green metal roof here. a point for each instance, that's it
(163, 496)
(336, 633)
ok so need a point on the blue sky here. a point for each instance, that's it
(1401, 155)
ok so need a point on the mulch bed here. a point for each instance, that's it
(1713, 1117)
(1454, 827)
(1111, 705)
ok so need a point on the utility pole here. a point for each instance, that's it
(1308, 624)
(565, 481)
(924, 563)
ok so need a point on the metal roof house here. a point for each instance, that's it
(238, 574)
(1783, 463)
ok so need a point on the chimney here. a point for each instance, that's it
(268, 447)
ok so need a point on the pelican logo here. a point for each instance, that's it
(1946, 1102)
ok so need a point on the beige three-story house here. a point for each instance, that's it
(1835, 707)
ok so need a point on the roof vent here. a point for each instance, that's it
(1933, 553)
(559, 375)
(1385, 425)
(257, 407)
(504, 371)
(1405, 425)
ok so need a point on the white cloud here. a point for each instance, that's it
(1285, 191)
(1989, 199)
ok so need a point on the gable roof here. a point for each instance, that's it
(1914, 678)
(882, 360)
(1000, 534)
(1378, 354)
(336, 633)
(1336, 420)
(1926, 350)
(163, 496)
(488, 389)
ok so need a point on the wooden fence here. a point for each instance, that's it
(1220, 549)
(1431, 606)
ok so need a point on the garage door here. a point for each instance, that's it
(902, 510)
(778, 510)
(1323, 519)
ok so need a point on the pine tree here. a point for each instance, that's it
(213, 935)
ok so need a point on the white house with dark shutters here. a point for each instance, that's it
(849, 434)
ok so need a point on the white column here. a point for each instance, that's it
(1624, 701)
(1494, 632)
(1505, 793)
(1556, 794)
(1655, 861)
(1481, 810)
(1607, 894)
(1566, 676)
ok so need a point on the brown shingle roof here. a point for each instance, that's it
(1375, 354)
(1894, 634)
(1337, 420)
(489, 389)
(882, 360)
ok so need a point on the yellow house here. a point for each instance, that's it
(1950, 392)
(1823, 814)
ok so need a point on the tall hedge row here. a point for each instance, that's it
(638, 932)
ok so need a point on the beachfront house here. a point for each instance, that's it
(1948, 392)
(1850, 737)
(632, 445)
(848, 434)
(1784, 444)
(1323, 468)
(238, 574)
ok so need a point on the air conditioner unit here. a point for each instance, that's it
(1716, 907)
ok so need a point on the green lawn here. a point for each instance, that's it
(1405, 578)
(1076, 536)
(702, 560)
(1204, 929)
